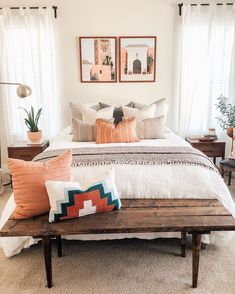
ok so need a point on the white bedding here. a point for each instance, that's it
(137, 181)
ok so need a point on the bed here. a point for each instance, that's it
(137, 181)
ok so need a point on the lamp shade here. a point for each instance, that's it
(24, 91)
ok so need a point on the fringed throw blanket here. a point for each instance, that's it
(144, 155)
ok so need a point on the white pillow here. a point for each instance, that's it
(161, 107)
(73, 199)
(90, 115)
(139, 114)
(76, 108)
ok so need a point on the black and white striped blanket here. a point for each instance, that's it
(138, 155)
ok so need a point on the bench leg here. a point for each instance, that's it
(183, 243)
(196, 252)
(46, 241)
(59, 246)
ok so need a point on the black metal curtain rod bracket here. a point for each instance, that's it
(35, 7)
(180, 5)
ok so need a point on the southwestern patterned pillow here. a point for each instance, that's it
(71, 200)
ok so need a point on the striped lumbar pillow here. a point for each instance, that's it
(124, 132)
(71, 199)
(151, 128)
(82, 131)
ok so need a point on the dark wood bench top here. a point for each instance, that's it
(196, 216)
(136, 216)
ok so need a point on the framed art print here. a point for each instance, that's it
(98, 59)
(137, 59)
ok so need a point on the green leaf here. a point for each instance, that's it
(38, 116)
(32, 113)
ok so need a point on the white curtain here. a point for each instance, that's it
(27, 55)
(206, 66)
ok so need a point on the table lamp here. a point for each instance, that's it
(22, 91)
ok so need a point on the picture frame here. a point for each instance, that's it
(137, 59)
(98, 59)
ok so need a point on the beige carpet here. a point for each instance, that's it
(127, 266)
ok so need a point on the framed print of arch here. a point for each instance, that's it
(137, 59)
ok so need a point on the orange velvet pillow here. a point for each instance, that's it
(124, 132)
(29, 179)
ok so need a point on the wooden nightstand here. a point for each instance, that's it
(22, 150)
(211, 149)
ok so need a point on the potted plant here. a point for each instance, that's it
(31, 121)
(227, 118)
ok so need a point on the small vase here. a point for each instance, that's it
(230, 132)
(35, 137)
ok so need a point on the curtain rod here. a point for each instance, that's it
(34, 7)
(202, 4)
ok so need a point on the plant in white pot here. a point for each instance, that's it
(31, 122)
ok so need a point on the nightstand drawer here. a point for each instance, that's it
(211, 151)
(22, 154)
(26, 152)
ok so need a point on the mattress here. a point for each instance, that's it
(137, 181)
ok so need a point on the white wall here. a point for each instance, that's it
(112, 18)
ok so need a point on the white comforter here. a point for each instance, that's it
(137, 181)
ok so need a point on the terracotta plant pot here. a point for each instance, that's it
(35, 137)
(230, 132)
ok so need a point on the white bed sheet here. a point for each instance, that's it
(138, 181)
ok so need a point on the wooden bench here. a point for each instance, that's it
(195, 217)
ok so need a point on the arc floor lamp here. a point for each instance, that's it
(22, 92)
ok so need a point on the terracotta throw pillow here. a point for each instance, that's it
(29, 179)
(124, 132)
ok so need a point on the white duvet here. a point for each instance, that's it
(137, 181)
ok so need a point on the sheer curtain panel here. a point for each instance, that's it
(206, 66)
(27, 55)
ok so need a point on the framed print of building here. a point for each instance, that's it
(137, 59)
(98, 59)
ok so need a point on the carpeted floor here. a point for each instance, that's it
(127, 266)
